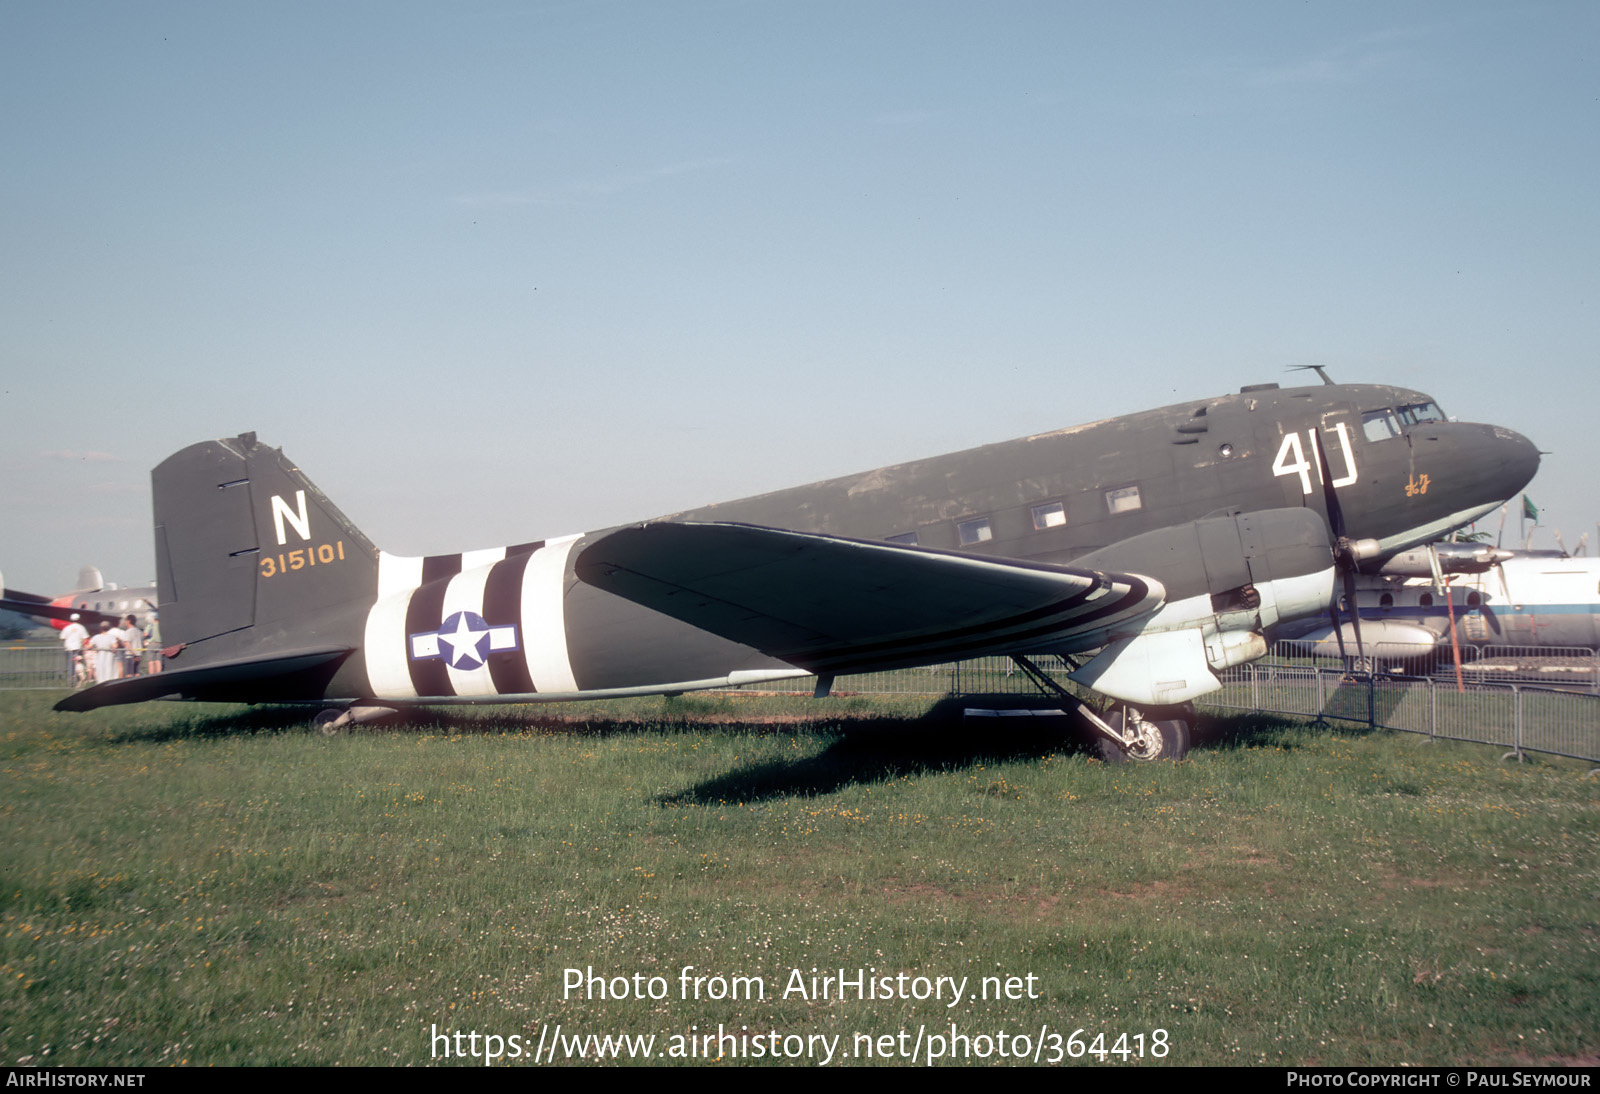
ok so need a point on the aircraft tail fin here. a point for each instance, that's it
(251, 557)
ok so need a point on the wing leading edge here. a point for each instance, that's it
(832, 605)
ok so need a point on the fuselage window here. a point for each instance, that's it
(1386, 601)
(1053, 515)
(1425, 600)
(1473, 600)
(907, 539)
(974, 531)
(1379, 425)
(1123, 500)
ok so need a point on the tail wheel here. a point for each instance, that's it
(325, 721)
(1167, 739)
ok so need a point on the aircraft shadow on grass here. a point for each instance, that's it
(878, 750)
(236, 723)
(864, 748)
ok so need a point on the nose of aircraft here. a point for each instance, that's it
(1474, 465)
(1516, 462)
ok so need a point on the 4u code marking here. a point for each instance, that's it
(323, 554)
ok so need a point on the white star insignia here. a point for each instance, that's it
(465, 643)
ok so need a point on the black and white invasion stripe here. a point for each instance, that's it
(521, 586)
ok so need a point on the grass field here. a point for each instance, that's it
(206, 885)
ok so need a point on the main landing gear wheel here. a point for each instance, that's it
(1166, 739)
(326, 721)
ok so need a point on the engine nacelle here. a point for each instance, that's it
(1454, 558)
(1229, 580)
(1232, 560)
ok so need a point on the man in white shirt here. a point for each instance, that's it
(73, 637)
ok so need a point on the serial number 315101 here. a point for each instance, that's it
(322, 554)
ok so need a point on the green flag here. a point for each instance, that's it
(1529, 510)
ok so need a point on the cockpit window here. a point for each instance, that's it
(1421, 412)
(1380, 425)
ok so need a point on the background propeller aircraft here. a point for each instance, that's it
(93, 601)
(1498, 598)
(1174, 542)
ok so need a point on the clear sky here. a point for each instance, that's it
(496, 271)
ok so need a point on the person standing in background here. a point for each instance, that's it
(104, 645)
(73, 637)
(132, 646)
(152, 640)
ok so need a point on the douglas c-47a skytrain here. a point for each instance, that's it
(1153, 550)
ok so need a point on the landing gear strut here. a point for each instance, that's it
(1125, 734)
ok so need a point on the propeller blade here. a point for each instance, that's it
(1338, 631)
(1330, 496)
(1355, 615)
(1344, 557)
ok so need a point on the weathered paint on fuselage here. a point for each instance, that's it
(1251, 451)
(1186, 461)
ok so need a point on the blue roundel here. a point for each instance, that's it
(463, 638)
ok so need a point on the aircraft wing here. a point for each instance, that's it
(40, 607)
(13, 600)
(833, 605)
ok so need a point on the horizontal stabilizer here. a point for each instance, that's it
(829, 604)
(227, 681)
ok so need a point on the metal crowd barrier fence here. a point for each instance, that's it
(32, 667)
(1509, 702)
(1517, 717)
(38, 668)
